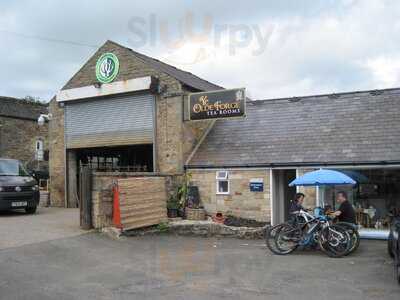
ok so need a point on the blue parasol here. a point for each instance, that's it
(322, 178)
(357, 176)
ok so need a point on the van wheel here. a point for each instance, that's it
(30, 210)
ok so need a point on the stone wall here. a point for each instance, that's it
(193, 131)
(240, 202)
(169, 158)
(168, 107)
(18, 140)
(57, 155)
(210, 228)
(102, 200)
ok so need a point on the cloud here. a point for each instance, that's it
(330, 52)
(385, 70)
(311, 46)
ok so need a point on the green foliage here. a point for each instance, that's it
(177, 200)
(182, 191)
(173, 203)
(32, 99)
(163, 227)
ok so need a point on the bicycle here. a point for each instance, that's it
(350, 227)
(354, 235)
(309, 230)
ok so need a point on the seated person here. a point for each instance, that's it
(297, 204)
(345, 212)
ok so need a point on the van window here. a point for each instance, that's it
(10, 167)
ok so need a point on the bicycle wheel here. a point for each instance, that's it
(335, 241)
(354, 235)
(270, 234)
(287, 239)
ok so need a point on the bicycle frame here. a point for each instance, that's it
(307, 237)
(320, 221)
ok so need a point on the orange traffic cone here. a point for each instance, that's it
(116, 209)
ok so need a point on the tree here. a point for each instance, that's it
(33, 99)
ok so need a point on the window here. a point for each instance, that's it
(39, 145)
(39, 150)
(222, 182)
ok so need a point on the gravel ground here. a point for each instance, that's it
(19, 229)
(92, 266)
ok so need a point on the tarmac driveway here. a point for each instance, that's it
(92, 266)
(18, 228)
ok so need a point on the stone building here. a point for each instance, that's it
(138, 118)
(280, 139)
(125, 114)
(20, 135)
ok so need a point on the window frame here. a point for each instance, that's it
(219, 179)
(225, 177)
(39, 145)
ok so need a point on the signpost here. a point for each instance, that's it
(217, 104)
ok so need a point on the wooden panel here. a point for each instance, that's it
(143, 201)
(85, 198)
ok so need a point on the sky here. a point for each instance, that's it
(273, 48)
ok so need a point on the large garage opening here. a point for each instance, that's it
(108, 134)
(137, 158)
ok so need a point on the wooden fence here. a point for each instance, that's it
(143, 201)
(85, 197)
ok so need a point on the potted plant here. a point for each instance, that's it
(181, 194)
(173, 206)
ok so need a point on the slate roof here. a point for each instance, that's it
(185, 77)
(22, 109)
(351, 128)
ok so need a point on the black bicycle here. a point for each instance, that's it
(354, 235)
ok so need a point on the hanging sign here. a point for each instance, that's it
(107, 68)
(217, 104)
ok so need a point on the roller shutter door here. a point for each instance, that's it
(111, 121)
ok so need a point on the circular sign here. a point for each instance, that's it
(107, 68)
